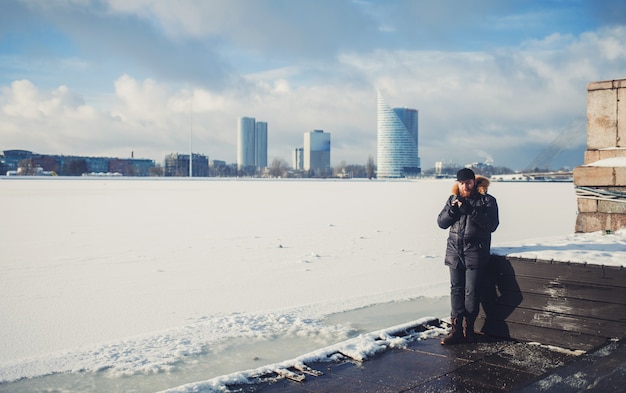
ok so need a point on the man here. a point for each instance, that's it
(472, 215)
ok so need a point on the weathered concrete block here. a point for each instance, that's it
(620, 176)
(589, 222)
(612, 207)
(601, 119)
(603, 85)
(594, 176)
(599, 85)
(592, 156)
(593, 222)
(587, 205)
(615, 222)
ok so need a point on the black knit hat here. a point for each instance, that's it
(465, 174)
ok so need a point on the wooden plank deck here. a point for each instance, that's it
(570, 305)
(579, 307)
(490, 366)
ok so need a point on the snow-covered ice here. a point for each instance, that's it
(164, 281)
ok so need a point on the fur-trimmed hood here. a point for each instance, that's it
(482, 184)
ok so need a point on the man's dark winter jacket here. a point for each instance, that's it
(471, 226)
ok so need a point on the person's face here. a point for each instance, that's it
(466, 187)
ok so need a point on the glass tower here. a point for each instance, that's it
(260, 156)
(245, 142)
(316, 150)
(396, 147)
(251, 143)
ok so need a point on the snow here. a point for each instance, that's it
(169, 282)
(617, 162)
(596, 248)
(359, 348)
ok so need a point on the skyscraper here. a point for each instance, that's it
(251, 143)
(260, 145)
(316, 151)
(298, 158)
(245, 142)
(397, 137)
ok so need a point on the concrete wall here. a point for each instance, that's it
(604, 168)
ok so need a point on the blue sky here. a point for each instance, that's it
(492, 80)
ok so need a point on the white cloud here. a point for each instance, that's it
(143, 102)
(26, 101)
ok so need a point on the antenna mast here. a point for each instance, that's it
(190, 136)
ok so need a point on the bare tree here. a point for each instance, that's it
(278, 168)
(157, 170)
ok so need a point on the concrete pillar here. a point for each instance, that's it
(601, 181)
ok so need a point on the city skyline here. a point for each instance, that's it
(494, 81)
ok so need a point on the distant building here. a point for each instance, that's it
(251, 144)
(397, 141)
(131, 166)
(260, 145)
(12, 158)
(76, 165)
(177, 165)
(219, 168)
(298, 159)
(245, 142)
(445, 169)
(438, 168)
(316, 151)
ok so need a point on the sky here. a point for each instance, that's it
(495, 81)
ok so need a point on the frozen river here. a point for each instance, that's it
(155, 283)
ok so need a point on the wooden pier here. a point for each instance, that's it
(547, 326)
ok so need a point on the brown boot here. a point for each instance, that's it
(456, 333)
(468, 330)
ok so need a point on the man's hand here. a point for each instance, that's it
(462, 206)
(455, 208)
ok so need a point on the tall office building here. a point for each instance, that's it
(298, 158)
(251, 143)
(260, 145)
(245, 142)
(397, 137)
(316, 151)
